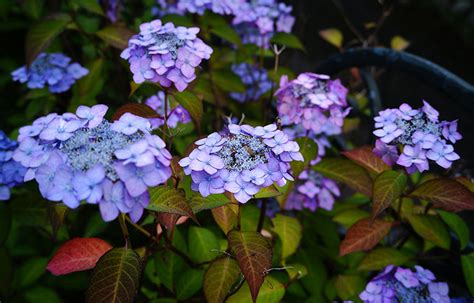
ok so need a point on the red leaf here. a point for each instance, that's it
(141, 110)
(445, 193)
(77, 254)
(365, 157)
(364, 235)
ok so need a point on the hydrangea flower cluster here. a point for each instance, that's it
(397, 284)
(11, 172)
(181, 7)
(82, 156)
(54, 70)
(314, 101)
(256, 82)
(165, 54)
(258, 20)
(420, 134)
(241, 160)
(175, 115)
(112, 8)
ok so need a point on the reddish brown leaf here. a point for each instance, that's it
(364, 235)
(219, 278)
(167, 220)
(445, 193)
(254, 255)
(116, 35)
(141, 110)
(388, 186)
(367, 159)
(77, 255)
(225, 217)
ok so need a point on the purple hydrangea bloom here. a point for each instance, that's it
(256, 82)
(12, 173)
(397, 284)
(181, 7)
(314, 101)
(165, 54)
(241, 160)
(419, 133)
(53, 70)
(112, 8)
(110, 164)
(176, 114)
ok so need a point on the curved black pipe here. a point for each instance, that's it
(453, 86)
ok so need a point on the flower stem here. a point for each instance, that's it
(125, 233)
(261, 219)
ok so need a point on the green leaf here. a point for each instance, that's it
(348, 287)
(189, 283)
(333, 36)
(221, 28)
(225, 217)
(169, 200)
(467, 262)
(203, 244)
(169, 265)
(199, 203)
(289, 230)
(89, 5)
(388, 186)
(33, 8)
(228, 81)
(138, 109)
(309, 150)
(6, 271)
(399, 43)
(432, 229)
(40, 36)
(254, 255)
(364, 235)
(445, 193)
(296, 271)
(46, 294)
(381, 257)
(116, 277)
(192, 104)
(88, 87)
(457, 224)
(365, 157)
(30, 271)
(350, 217)
(5, 222)
(272, 291)
(116, 35)
(219, 278)
(288, 40)
(268, 192)
(347, 172)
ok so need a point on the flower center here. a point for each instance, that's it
(419, 122)
(242, 152)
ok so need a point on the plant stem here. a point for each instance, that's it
(261, 219)
(141, 229)
(125, 233)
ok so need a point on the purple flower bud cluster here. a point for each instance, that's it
(165, 54)
(11, 172)
(397, 284)
(314, 101)
(112, 8)
(420, 134)
(181, 7)
(241, 160)
(258, 20)
(54, 70)
(175, 115)
(81, 156)
(256, 82)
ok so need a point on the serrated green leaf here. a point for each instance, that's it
(228, 81)
(116, 277)
(40, 36)
(219, 278)
(288, 40)
(457, 224)
(203, 244)
(199, 203)
(169, 200)
(289, 230)
(432, 229)
(30, 271)
(388, 186)
(169, 265)
(192, 104)
(189, 283)
(348, 287)
(220, 27)
(309, 150)
(296, 270)
(268, 192)
(116, 35)
(350, 217)
(89, 5)
(225, 217)
(272, 291)
(467, 262)
(333, 36)
(254, 255)
(33, 8)
(364, 235)
(379, 258)
(46, 294)
(347, 172)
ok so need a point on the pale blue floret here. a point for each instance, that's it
(241, 152)
(302, 93)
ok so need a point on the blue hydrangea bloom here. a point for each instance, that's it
(181, 7)
(256, 82)
(11, 172)
(53, 70)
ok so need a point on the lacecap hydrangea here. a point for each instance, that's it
(176, 114)
(419, 134)
(241, 160)
(313, 101)
(181, 7)
(165, 54)
(11, 172)
(255, 79)
(257, 21)
(402, 285)
(82, 156)
(53, 70)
